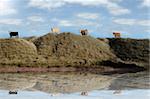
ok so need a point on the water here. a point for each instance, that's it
(70, 85)
(103, 94)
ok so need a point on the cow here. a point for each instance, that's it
(13, 34)
(117, 34)
(55, 30)
(84, 32)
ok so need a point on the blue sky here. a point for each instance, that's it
(100, 17)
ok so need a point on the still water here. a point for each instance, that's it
(70, 85)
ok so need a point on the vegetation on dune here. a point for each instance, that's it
(131, 50)
(17, 51)
(67, 49)
(71, 49)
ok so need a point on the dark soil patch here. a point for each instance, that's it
(106, 67)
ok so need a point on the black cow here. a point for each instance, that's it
(13, 34)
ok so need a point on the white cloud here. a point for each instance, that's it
(65, 23)
(88, 15)
(46, 4)
(88, 2)
(75, 23)
(85, 23)
(11, 21)
(146, 3)
(36, 18)
(111, 5)
(144, 22)
(118, 10)
(6, 8)
(124, 21)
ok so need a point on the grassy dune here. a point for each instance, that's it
(67, 49)
(131, 50)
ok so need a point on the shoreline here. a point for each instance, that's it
(92, 69)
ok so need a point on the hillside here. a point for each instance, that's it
(16, 51)
(131, 50)
(71, 49)
(68, 49)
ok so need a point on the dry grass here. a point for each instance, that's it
(71, 49)
(131, 50)
(63, 49)
(67, 49)
(17, 52)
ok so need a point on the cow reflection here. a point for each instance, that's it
(84, 93)
(13, 92)
(117, 92)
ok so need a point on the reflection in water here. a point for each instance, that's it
(55, 82)
(72, 82)
(84, 93)
(101, 94)
(139, 80)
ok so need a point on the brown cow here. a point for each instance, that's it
(84, 32)
(117, 34)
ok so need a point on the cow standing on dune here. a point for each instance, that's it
(55, 30)
(84, 32)
(13, 34)
(117, 34)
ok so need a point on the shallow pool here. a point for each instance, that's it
(102, 94)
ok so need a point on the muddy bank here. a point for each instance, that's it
(54, 69)
(106, 67)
